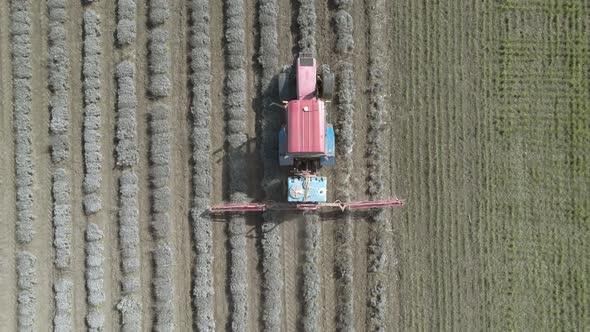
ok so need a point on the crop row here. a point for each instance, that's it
(377, 249)
(92, 112)
(272, 282)
(306, 19)
(126, 123)
(127, 155)
(235, 100)
(158, 13)
(129, 306)
(162, 255)
(95, 292)
(159, 63)
(94, 276)
(58, 63)
(200, 77)
(310, 281)
(343, 236)
(160, 170)
(62, 219)
(126, 29)
(26, 279)
(163, 290)
(22, 72)
(63, 288)
(159, 87)
(25, 229)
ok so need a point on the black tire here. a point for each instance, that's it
(327, 86)
(285, 87)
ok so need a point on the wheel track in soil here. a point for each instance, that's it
(395, 182)
(288, 227)
(146, 243)
(290, 234)
(218, 185)
(8, 170)
(253, 116)
(41, 246)
(109, 187)
(180, 161)
(75, 169)
(399, 45)
(324, 40)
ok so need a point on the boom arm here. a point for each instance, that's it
(259, 207)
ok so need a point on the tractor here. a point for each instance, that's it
(306, 143)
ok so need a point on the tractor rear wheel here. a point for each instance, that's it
(327, 86)
(284, 87)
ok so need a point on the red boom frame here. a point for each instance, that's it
(259, 207)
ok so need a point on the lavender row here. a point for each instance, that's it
(92, 113)
(159, 63)
(272, 282)
(25, 230)
(343, 235)
(377, 249)
(162, 255)
(62, 219)
(95, 276)
(234, 104)
(129, 306)
(200, 77)
(310, 282)
(59, 64)
(22, 73)
(27, 301)
(126, 26)
(126, 135)
(63, 289)
(163, 289)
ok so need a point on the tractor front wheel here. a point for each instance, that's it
(284, 87)
(327, 86)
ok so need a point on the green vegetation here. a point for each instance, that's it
(491, 129)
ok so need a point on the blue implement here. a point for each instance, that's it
(329, 159)
(284, 159)
(312, 190)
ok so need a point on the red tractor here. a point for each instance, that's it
(306, 143)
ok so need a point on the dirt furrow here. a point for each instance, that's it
(180, 161)
(219, 185)
(74, 25)
(438, 168)
(253, 108)
(41, 246)
(395, 182)
(156, 86)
